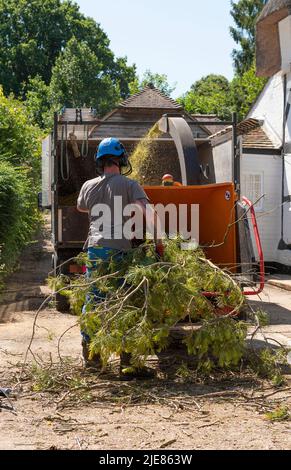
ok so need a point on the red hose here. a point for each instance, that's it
(259, 247)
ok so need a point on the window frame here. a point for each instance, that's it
(259, 207)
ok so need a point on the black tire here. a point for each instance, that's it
(62, 304)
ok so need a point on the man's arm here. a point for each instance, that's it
(152, 220)
(153, 223)
(81, 204)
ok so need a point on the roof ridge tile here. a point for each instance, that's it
(172, 103)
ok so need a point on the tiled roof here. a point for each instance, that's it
(257, 138)
(252, 133)
(150, 97)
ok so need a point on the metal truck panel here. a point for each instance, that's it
(46, 172)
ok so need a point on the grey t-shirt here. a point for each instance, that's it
(115, 192)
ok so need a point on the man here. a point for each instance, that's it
(168, 181)
(108, 239)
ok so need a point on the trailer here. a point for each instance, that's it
(68, 161)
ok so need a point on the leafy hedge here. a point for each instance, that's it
(20, 148)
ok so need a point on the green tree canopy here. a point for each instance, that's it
(20, 141)
(78, 80)
(244, 91)
(34, 32)
(160, 81)
(20, 148)
(214, 94)
(210, 95)
(38, 102)
(245, 13)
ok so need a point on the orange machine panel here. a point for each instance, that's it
(216, 212)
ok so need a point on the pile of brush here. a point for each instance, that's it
(145, 297)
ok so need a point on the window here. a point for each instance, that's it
(253, 189)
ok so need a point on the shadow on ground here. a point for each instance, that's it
(278, 315)
(25, 288)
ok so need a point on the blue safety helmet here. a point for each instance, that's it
(110, 148)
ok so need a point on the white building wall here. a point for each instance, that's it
(284, 256)
(287, 205)
(288, 116)
(268, 211)
(269, 107)
(268, 170)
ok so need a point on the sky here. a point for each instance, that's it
(184, 39)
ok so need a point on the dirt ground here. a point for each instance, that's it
(166, 413)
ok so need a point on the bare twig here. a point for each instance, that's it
(168, 443)
(62, 336)
(45, 302)
(208, 425)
